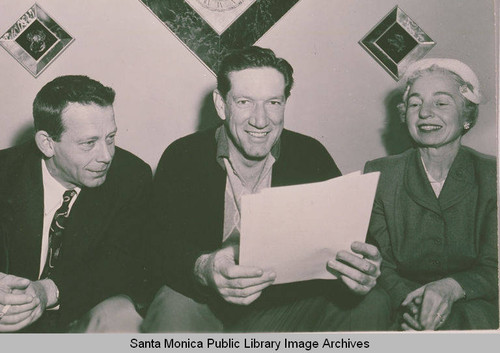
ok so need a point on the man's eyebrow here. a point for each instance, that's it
(88, 138)
(240, 96)
(248, 97)
(112, 132)
(95, 138)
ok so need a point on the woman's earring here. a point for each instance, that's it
(466, 125)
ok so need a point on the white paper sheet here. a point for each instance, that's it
(295, 230)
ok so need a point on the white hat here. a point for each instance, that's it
(455, 66)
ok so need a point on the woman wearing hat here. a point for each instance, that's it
(435, 216)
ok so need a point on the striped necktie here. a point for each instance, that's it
(56, 233)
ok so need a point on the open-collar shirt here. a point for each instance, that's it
(236, 186)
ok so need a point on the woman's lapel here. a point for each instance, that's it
(460, 180)
(418, 185)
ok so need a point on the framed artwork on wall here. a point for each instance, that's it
(35, 40)
(212, 28)
(396, 41)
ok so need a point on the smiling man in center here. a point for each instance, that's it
(198, 188)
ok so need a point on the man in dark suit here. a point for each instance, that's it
(198, 187)
(71, 209)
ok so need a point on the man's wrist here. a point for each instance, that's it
(202, 269)
(51, 291)
(458, 291)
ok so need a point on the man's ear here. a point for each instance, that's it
(220, 104)
(45, 143)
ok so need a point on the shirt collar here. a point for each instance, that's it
(52, 190)
(222, 141)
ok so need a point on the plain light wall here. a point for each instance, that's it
(162, 89)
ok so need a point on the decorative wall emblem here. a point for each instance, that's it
(220, 14)
(212, 28)
(396, 42)
(220, 5)
(35, 40)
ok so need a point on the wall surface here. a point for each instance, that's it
(342, 96)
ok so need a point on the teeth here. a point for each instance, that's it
(257, 134)
(429, 127)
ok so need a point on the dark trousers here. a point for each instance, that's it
(337, 309)
(342, 311)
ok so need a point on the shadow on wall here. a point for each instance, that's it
(207, 117)
(25, 134)
(395, 136)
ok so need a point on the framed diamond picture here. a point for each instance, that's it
(35, 40)
(210, 29)
(396, 42)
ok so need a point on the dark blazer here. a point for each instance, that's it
(101, 251)
(189, 199)
(423, 238)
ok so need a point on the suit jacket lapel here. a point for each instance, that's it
(26, 219)
(87, 222)
(460, 180)
(418, 185)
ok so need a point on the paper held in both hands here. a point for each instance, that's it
(295, 230)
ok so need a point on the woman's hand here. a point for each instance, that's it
(437, 299)
(412, 312)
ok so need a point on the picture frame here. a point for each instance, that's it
(193, 22)
(35, 40)
(396, 42)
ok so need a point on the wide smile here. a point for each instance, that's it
(429, 127)
(258, 134)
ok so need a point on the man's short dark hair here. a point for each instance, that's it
(252, 57)
(54, 97)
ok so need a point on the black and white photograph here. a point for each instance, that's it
(263, 175)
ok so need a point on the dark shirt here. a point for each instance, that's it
(189, 201)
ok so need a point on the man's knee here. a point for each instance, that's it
(373, 312)
(171, 311)
(115, 314)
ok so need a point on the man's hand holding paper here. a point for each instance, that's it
(302, 232)
(359, 274)
(236, 284)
